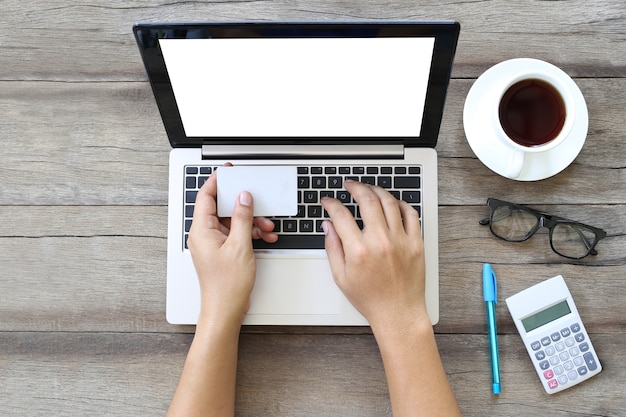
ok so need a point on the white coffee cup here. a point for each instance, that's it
(527, 116)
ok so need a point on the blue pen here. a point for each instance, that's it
(490, 292)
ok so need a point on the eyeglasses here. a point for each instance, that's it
(517, 223)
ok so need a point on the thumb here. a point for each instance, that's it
(241, 219)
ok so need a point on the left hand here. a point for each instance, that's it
(222, 254)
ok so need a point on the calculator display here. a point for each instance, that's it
(546, 316)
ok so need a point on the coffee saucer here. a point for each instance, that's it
(478, 118)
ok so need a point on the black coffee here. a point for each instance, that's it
(532, 112)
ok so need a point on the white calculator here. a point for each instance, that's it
(554, 335)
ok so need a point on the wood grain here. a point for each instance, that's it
(105, 374)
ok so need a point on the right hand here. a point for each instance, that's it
(380, 269)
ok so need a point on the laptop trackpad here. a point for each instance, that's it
(295, 285)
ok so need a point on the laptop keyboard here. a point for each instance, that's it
(304, 230)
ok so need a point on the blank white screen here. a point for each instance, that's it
(300, 87)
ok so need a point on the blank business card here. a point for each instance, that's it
(274, 189)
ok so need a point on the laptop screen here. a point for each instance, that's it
(344, 82)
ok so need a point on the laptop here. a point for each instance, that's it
(337, 100)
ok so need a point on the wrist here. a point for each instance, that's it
(400, 329)
(218, 323)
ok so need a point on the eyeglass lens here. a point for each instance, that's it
(572, 240)
(516, 225)
(512, 224)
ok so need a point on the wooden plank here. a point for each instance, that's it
(68, 41)
(279, 375)
(77, 268)
(104, 144)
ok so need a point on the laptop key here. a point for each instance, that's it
(306, 226)
(290, 225)
(314, 211)
(190, 196)
(303, 182)
(406, 182)
(343, 196)
(305, 241)
(310, 196)
(411, 196)
(384, 182)
(319, 182)
(335, 182)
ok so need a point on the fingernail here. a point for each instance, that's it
(325, 227)
(245, 199)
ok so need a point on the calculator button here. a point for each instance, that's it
(562, 379)
(570, 342)
(558, 370)
(550, 351)
(582, 371)
(565, 332)
(548, 374)
(556, 336)
(545, 341)
(572, 375)
(554, 360)
(560, 346)
(575, 327)
(574, 351)
(578, 361)
(540, 355)
(553, 384)
(590, 361)
(544, 365)
(564, 356)
(579, 337)
(583, 347)
(568, 366)
(536, 345)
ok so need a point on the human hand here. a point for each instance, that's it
(380, 269)
(222, 254)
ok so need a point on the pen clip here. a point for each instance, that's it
(490, 284)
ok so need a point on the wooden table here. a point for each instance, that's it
(83, 197)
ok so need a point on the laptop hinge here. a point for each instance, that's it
(389, 151)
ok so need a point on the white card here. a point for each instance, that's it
(274, 189)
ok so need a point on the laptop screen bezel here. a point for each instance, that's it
(445, 34)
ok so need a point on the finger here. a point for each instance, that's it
(369, 203)
(264, 224)
(343, 220)
(334, 250)
(391, 208)
(205, 210)
(410, 219)
(258, 233)
(242, 219)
